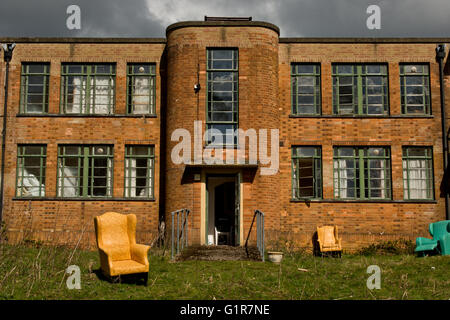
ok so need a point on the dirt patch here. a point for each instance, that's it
(219, 253)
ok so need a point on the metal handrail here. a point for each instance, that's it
(259, 215)
(182, 230)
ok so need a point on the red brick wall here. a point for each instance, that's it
(258, 107)
(68, 221)
(359, 223)
(264, 102)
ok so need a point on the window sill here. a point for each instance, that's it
(362, 201)
(58, 115)
(81, 199)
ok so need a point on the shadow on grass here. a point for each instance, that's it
(137, 278)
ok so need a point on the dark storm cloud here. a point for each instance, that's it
(296, 18)
(47, 18)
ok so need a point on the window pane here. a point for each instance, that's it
(417, 173)
(306, 172)
(305, 88)
(141, 88)
(34, 88)
(414, 81)
(88, 89)
(139, 171)
(31, 164)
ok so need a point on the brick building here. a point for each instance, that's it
(91, 122)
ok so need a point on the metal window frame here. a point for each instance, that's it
(151, 162)
(295, 76)
(317, 172)
(360, 157)
(426, 107)
(24, 85)
(21, 154)
(89, 72)
(359, 88)
(130, 85)
(429, 170)
(235, 90)
(86, 157)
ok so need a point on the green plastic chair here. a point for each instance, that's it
(440, 231)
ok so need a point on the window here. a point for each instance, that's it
(88, 88)
(360, 89)
(31, 162)
(139, 171)
(305, 89)
(415, 89)
(141, 88)
(306, 172)
(222, 98)
(418, 173)
(85, 171)
(34, 88)
(362, 173)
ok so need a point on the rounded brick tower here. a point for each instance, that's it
(255, 64)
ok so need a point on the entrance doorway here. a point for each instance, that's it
(223, 199)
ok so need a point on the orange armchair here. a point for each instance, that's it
(116, 241)
(328, 239)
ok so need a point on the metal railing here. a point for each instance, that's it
(259, 215)
(181, 238)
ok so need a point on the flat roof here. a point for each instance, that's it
(164, 40)
(364, 40)
(80, 40)
(225, 23)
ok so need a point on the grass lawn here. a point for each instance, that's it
(38, 272)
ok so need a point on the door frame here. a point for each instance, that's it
(205, 205)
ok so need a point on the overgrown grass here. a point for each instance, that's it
(31, 271)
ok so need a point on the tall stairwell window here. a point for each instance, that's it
(222, 94)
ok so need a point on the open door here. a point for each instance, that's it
(237, 213)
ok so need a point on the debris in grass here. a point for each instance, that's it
(301, 269)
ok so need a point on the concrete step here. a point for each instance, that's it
(219, 253)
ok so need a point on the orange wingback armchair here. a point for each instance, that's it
(116, 241)
(328, 239)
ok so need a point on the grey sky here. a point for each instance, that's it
(296, 18)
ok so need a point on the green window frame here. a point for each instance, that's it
(306, 172)
(139, 171)
(418, 177)
(85, 171)
(362, 173)
(360, 89)
(88, 88)
(31, 165)
(141, 88)
(305, 89)
(34, 88)
(415, 89)
(222, 94)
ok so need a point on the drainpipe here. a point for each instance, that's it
(7, 56)
(440, 55)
